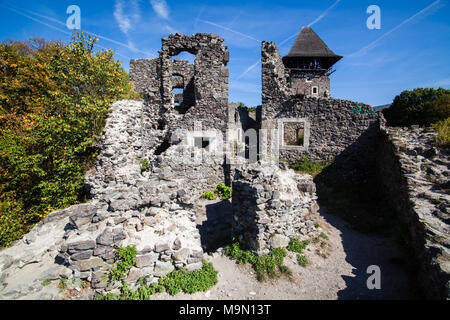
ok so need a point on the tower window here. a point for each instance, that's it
(308, 78)
(315, 90)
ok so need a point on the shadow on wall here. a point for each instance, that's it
(244, 202)
(215, 231)
(359, 158)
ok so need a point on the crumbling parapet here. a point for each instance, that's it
(205, 83)
(272, 205)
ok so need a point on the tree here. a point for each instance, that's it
(422, 106)
(54, 98)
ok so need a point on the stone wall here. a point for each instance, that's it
(154, 210)
(271, 205)
(335, 132)
(301, 86)
(414, 175)
(205, 82)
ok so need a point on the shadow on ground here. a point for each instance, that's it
(215, 227)
(362, 251)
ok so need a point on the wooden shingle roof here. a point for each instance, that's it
(308, 45)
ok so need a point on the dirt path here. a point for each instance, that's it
(342, 275)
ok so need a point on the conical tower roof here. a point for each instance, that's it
(308, 45)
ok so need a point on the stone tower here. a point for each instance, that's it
(310, 64)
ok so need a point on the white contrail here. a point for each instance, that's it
(22, 12)
(56, 28)
(253, 66)
(228, 29)
(324, 14)
(372, 44)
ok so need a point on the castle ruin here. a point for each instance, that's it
(194, 139)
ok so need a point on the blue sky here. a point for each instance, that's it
(410, 50)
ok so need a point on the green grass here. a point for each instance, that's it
(302, 261)
(175, 282)
(145, 165)
(46, 283)
(62, 285)
(323, 236)
(295, 245)
(190, 282)
(208, 196)
(308, 166)
(124, 264)
(443, 129)
(224, 192)
(270, 265)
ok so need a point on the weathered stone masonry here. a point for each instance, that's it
(156, 210)
(333, 131)
(414, 176)
(272, 205)
(206, 82)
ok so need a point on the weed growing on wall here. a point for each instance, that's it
(124, 264)
(224, 192)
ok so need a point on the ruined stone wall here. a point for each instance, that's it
(334, 133)
(271, 205)
(146, 76)
(414, 177)
(301, 86)
(205, 83)
(154, 210)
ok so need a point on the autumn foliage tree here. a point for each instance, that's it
(54, 98)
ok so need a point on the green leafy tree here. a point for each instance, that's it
(54, 98)
(422, 106)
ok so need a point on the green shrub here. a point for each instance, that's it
(209, 196)
(145, 165)
(295, 245)
(443, 129)
(124, 264)
(224, 192)
(175, 282)
(270, 264)
(302, 260)
(190, 282)
(309, 167)
(422, 106)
